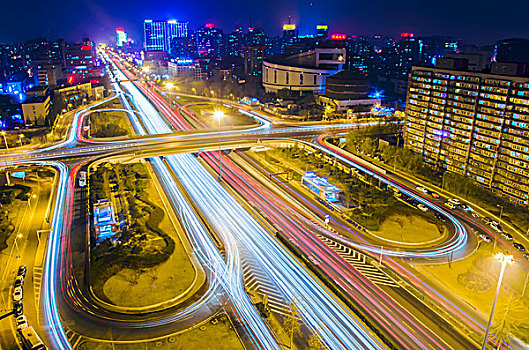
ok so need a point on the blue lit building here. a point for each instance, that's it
(160, 35)
(105, 223)
(155, 35)
(321, 187)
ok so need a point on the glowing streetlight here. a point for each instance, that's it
(505, 260)
(5, 140)
(20, 137)
(218, 114)
(145, 69)
(169, 85)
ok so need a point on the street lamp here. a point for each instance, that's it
(504, 259)
(501, 210)
(5, 140)
(169, 85)
(16, 244)
(20, 137)
(219, 115)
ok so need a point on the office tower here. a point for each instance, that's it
(235, 42)
(290, 35)
(322, 31)
(210, 41)
(155, 35)
(121, 37)
(512, 50)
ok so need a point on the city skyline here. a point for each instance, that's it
(469, 22)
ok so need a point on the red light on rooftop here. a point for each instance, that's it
(406, 35)
(119, 29)
(70, 79)
(86, 47)
(210, 25)
(338, 36)
(250, 29)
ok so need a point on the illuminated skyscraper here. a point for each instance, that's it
(322, 31)
(121, 37)
(159, 35)
(210, 41)
(290, 35)
(155, 35)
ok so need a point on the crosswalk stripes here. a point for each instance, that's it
(37, 281)
(360, 263)
(255, 279)
(73, 338)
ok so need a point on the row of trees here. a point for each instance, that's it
(366, 142)
(369, 205)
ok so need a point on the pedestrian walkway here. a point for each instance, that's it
(256, 280)
(360, 263)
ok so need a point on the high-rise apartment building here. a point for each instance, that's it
(252, 57)
(472, 123)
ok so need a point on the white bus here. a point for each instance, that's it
(30, 340)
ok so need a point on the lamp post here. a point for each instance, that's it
(504, 259)
(501, 210)
(219, 115)
(20, 137)
(16, 244)
(5, 140)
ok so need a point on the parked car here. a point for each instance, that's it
(497, 227)
(507, 236)
(450, 205)
(474, 214)
(18, 309)
(526, 256)
(487, 220)
(19, 281)
(421, 189)
(22, 322)
(519, 246)
(440, 217)
(434, 194)
(485, 238)
(22, 271)
(422, 207)
(454, 201)
(17, 294)
(465, 207)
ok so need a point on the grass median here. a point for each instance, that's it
(147, 264)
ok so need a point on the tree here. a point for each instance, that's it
(291, 322)
(315, 342)
(508, 324)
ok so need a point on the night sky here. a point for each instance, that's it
(473, 21)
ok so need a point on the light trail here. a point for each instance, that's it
(51, 263)
(373, 301)
(323, 312)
